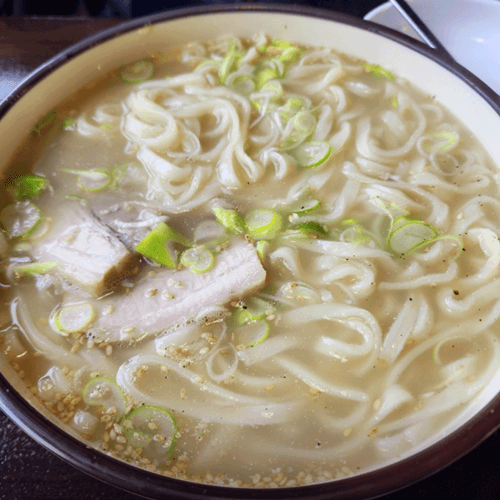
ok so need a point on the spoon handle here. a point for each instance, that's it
(419, 26)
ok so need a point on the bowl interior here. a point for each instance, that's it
(81, 64)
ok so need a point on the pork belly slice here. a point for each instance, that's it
(169, 299)
(89, 254)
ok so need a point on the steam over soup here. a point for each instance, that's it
(254, 264)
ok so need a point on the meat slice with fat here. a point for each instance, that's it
(169, 299)
(89, 254)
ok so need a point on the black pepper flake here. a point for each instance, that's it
(456, 292)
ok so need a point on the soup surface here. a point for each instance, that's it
(251, 263)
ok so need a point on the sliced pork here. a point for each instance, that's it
(167, 299)
(89, 255)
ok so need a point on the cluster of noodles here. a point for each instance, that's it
(372, 360)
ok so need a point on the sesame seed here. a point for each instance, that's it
(152, 292)
(168, 295)
(108, 309)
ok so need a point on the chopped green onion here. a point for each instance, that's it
(253, 309)
(137, 72)
(148, 423)
(292, 106)
(229, 63)
(410, 235)
(303, 125)
(20, 219)
(394, 102)
(291, 54)
(275, 47)
(274, 88)
(452, 139)
(312, 154)
(45, 121)
(263, 223)
(282, 49)
(69, 124)
(379, 71)
(198, 259)
(230, 219)
(252, 333)
(265, 75)
(91, 180)
(312, 229)
(35, 268)
(305, 206)
(28, 187)
(105, 392)
(262, 249)
(74, 318)
(244, 84)
(158, 245)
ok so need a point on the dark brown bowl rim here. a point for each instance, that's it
(366, 485)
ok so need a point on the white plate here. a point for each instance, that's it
(469, 29)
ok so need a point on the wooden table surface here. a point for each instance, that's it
(27, 470)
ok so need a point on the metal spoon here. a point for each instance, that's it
(419, 26)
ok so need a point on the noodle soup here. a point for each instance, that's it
(243, 263)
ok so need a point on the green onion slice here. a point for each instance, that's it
(44, 122)
(253, 309)
(262, 248)
(229, 63)
(291, 54)
(451, 140)
(105, 392)
(91, 180)
(252, 333)
(292, 106)
(151, 423)
(137, 72)
(312, 154)
(158, 245)
(410, 235)
(313, 229)
(198, 259)
(379, 71)
(28, 187)
(74, 318)
(303, 125)
(20, 219)
(35, 268)
(230, 219)
(69, 124)
(244, 84)
(302, 207)
(265, 75)
(263, 222)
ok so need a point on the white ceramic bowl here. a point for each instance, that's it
(469, 29)
(468, 98)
